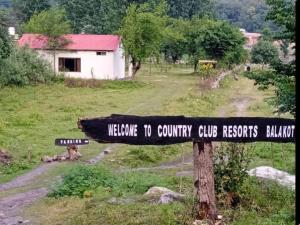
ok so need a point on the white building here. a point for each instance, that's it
(85, 56)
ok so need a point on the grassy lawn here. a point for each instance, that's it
(32, 117)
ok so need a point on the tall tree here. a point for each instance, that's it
(142, 31)
(94, 16)
(53, 25)
(24, 9)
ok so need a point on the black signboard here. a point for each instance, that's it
(163, 130)
(68, 141)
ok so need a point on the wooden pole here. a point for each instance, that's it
(204, 181)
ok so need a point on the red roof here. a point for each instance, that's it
(79, 42)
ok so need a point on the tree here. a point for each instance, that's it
(190, 8)
(5, 44)
(51, 24)
(282, 75)
(247, 14)
(264, 52)
(142, 31)
(94, 16)
(283, 14)
(174, 42)
(212, 39)
(24, 9)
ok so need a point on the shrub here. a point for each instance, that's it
(24, 67)
(231, 162)
(81, 180)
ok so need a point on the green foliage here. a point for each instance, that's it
(264, 52)
(190, 8)
(145, 155)
(94, 16)
(51, 23)
(87, 178)
(24, 67)
(24, 9)
(142, 30)
(284, 100)
(230, 167)
(5, 43)
(212, 39)
(283, 14)
(174, 42)
(247, 14)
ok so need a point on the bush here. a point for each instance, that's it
(231, 162)
(82, 179)
(24, 67)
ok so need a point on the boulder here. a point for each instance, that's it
(47, 159)
(165, 195)
(270, 173)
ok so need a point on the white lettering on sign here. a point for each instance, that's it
(208, 131)
(234, 131)
(122, 130)
(280, 131)
(70, 141)
(174, 130)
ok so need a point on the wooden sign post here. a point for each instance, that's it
(165, 130)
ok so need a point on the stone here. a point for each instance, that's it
(219, 217)
(170, 197)
(55, 158)
(47, 159)
(107, 151)
(165, 195)
(270, 173)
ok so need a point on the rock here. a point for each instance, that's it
(219, 217)
(63, 158)
(5, 157)
(269, 173)
(170, 197)
(165, 195)
(107, 151)
(55, 158)
(46, 159)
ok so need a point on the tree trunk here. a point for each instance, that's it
(204, 180)
(195, 67)
(136, 65)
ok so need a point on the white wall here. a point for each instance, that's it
(109, 66)
(119, 63)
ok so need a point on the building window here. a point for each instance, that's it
(101, 53)
(69, 64)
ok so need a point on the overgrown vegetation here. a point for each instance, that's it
(89, 178)
(24, 67)
(231, 162)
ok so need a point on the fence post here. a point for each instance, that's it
(204, 184)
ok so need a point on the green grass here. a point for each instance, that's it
(32, 117)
